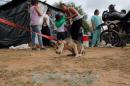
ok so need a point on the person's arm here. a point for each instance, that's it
(44, 20)
(101, 20)
(93, 24)
(47, 20)
(38, 10)
(74, 12)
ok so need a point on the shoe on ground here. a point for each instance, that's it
(44, 48)
(37, 49)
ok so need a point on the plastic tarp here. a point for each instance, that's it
(111, 16)
(17, 13)
(115, 16)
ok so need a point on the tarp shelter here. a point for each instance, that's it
(16, 11)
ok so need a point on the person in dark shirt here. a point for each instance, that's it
(112, 8)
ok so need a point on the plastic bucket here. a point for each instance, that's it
(85, 40)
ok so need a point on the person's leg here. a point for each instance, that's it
(98, 36)
(51, 31)
(33, 35)
(80, 34)
(45, 39)
(49, 34)
(69, 31)
(66, 31)
(80, 37)
(75, 29)
(38, 30)
(63, 35)
(94, 39)
(75, 47)
(58, 36)
(46, 31)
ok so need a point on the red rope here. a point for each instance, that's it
(17, 26)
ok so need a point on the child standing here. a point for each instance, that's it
(60, 24)
(46, 28)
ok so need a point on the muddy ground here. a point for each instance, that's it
(98, 67)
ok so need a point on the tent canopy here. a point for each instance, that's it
(16, 11)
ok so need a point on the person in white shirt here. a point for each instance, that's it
(60, 27)
(46, 28)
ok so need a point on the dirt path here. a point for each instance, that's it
(99, 67)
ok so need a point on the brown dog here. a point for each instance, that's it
(75, 47)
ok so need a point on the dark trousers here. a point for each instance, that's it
(60, 35)
(75, 30)
(46, 31)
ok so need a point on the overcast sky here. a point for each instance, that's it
(4, 1)
(90, 5)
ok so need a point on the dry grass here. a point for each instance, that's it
(99, 67)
